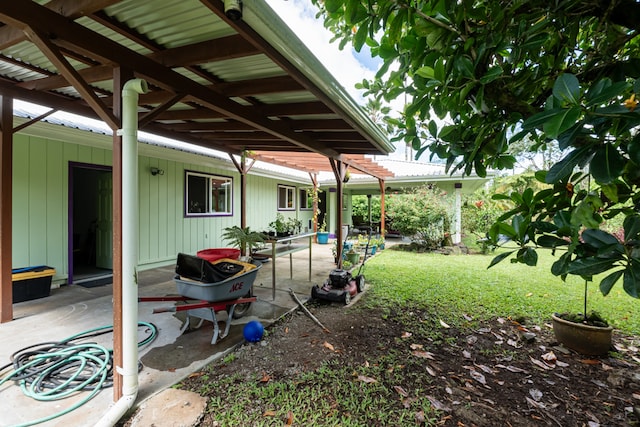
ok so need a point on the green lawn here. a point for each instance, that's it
(462, 284)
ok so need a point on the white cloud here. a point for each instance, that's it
(344, 65)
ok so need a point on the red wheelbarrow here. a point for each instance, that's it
(203, 295)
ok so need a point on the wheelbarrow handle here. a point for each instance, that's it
(167, 309)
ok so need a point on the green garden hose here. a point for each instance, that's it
(56, 370)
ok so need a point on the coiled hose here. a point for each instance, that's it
(55, 370)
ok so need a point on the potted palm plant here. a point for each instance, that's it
(244, 239)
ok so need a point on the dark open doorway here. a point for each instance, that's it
(90, 225)
(322, 208)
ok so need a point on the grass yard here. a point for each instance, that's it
(462, 284)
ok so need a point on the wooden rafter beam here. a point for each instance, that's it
(72, 9)
(150, 116)
(56, 57)
(30, 14)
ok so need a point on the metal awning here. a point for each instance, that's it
(235, 86)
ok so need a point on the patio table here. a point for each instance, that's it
(285, 246)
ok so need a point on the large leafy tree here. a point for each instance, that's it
(501, 72)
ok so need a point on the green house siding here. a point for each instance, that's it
(41, 197)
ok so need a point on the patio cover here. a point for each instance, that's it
(239, 86)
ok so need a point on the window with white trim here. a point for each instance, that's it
(286, 198)
(208, 195)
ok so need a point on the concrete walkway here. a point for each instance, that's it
(172, 356)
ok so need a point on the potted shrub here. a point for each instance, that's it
(323, 235)
(243, 238)
(279, 225)
(293, 226)
(588, 334)
(596, 180)
(353, 256)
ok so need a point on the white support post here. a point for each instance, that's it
(457, 236)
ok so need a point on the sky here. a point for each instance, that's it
(347, 66)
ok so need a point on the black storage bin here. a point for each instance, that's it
(31, 282)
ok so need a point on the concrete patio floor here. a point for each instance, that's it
(73, 309)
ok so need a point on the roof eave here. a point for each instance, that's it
(268, 24)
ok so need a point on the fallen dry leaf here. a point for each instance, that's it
(436, 404)
(265, 378)
(269, 413)
(400, 391)
(535, 394)
(366, 379)
(535, 404)
(196, 374)
(513, 343)
(636, 396)
(466, 354)
(408, 402)
(329, 346)
(549, 357)
(420, 419)
(416, 346)
(406, 335)
(513, 369)
(444, 325)
(486, 369)
(478, 377)
(539, 363)
(423, 354)
(431, 371)
(289, 421)
(286, 330)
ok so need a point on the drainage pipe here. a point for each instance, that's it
(130, 219)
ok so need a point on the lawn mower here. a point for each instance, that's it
(341, 284)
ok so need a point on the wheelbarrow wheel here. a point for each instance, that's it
(241, 309)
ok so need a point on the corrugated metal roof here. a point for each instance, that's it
(202, 67)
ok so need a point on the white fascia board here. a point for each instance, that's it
(260, 16)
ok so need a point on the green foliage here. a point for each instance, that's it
(500, 73)
(282, 224)
(243, 238)
(478, 215)
(421, 213)
(360, 207)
